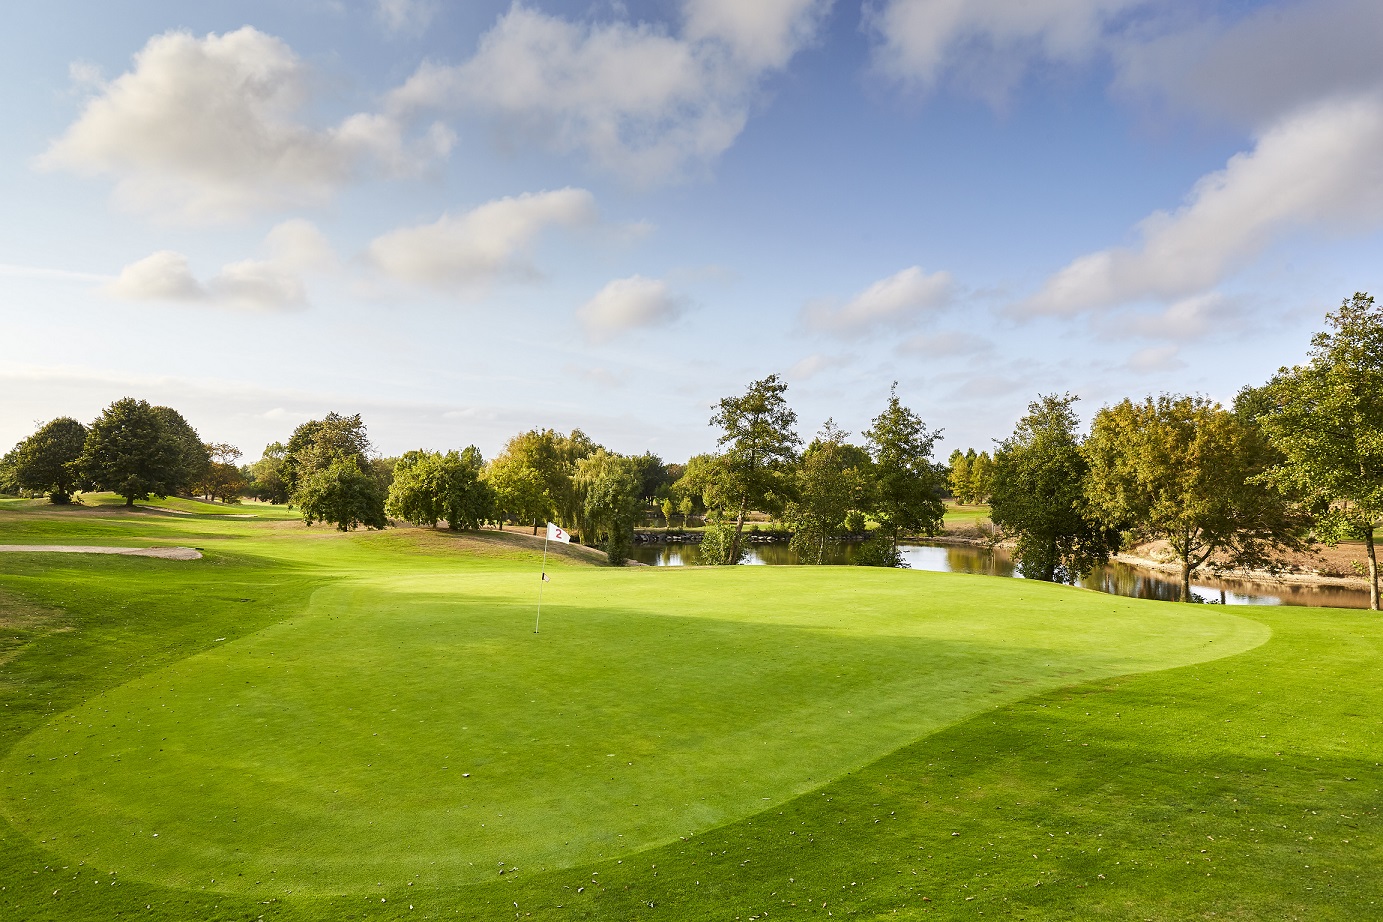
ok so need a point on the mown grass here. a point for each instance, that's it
(1125, 777)
(957, 515)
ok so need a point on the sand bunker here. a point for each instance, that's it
(167, 553)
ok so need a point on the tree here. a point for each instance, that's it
(267, 475)
(959, 476)
(519, 490)
(46, 462)
(981, 478)
(760, 442)
(833, 479)
(222, 478)
(552, 456)
(430, 486)
(129, 451)
(611, 486)
(193, 458)
(1326, 420)
(1185, 470)
(665, 506)
(327, 463)
(1038, 495)
(907, 485)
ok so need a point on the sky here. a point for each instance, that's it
(464, 221)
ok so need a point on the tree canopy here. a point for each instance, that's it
(907, 485)
(327, 463)
(1326, 420)
(429, 486)
(1038, 495)
(46, 462)
(130, 451)
(833, 479)
(759, 442)
(1185, 470)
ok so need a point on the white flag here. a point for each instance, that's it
(557, 534)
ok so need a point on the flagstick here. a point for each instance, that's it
(542, 579)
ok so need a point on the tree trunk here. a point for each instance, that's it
(535, 526)
(1049, 575)
(1373, 569)
(129, 501)
(1185, 579)
(821, 549)
(739, 528)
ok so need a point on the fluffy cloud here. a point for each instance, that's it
(629, 304)
(208, 129)
(1156, 359)
(1253, 69)
(987, 43)
(814, 364)
(945, 344)
(1317, 169)
(637, 100)
(888, 303)
(263, 285)
(470, 250)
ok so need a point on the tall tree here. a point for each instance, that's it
(268, 475)
(429, 486)
(833, 479)
(46, 462)
(193, 457)
(1038, 495)
(333, 480)
(1185, 470)
(760, 446)
(610, 487)
(959, 476)
(129, 451)
(1326, 419)
(222, 479)
(519, 491)
(981, 478)
(552, 456)
(908, 486)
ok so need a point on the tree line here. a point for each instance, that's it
(1295, 460)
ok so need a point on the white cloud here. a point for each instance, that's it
(638, 101)
(624, 305)
(412, 16)
(1318, 169)
(267, 285)
(1189, 318)
(490, 242)
(1251, 70)
(161, 276)
(887, 304)
(208, 129)
(815, 364)
(988, 44)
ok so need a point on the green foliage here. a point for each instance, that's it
(327, 462)
(879, 551)
(129, 451)
(268, 476)
(759, 438)
(719, 546)
(193, 457)
(1038, 495)
(908, 488)
(46, 462)
(551, 458)
(1185, 470)
(1326, 420)
(343, 494)
(610, 486)
(428, 486)
(970, 476)
(833, 479)
(222, 479)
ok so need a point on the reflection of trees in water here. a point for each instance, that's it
(1115, 578)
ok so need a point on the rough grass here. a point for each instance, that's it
(840, 695)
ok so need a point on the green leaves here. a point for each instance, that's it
(907, 494)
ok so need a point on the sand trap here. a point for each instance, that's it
(167, 553)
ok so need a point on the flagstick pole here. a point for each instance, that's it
(542, 579)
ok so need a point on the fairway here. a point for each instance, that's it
(410, 726)
(307, 725)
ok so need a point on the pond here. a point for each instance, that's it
(1116, 578)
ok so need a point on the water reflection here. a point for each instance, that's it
(1116, 578)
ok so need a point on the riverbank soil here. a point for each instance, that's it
(1345, 564)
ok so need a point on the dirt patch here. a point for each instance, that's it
(1345, 564)
(166, 553)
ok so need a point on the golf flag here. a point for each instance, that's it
(557, 534)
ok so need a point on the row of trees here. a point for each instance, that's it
(1297, 459)
(133, 449)
(971, 476)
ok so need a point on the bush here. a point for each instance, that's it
(879, 551)
(715, 546)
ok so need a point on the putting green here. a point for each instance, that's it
(410, 727)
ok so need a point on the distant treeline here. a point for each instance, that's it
(1296, 460)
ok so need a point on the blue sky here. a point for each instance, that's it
(466, 220)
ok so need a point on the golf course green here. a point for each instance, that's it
(304, 724)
